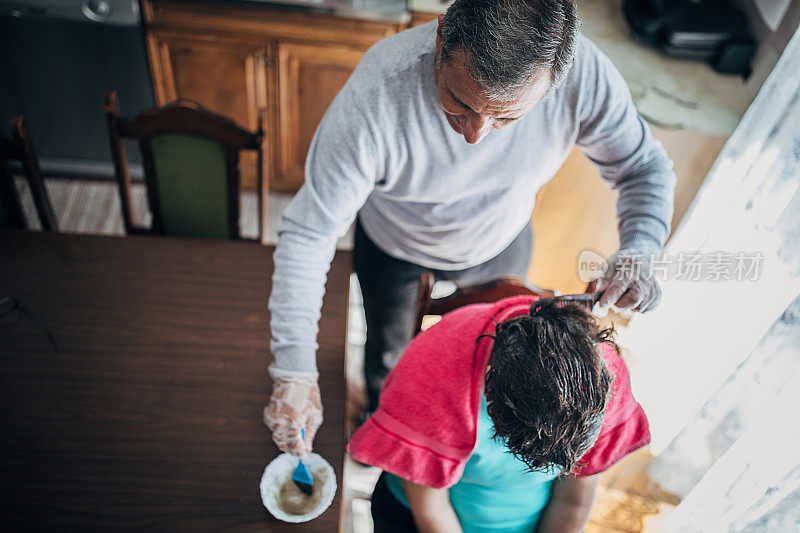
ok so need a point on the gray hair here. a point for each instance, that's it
(508, 41)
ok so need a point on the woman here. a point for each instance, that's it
(498, 418)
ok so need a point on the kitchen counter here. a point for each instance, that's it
(385, 10)
(670, 93)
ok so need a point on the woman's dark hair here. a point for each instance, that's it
(547, 385)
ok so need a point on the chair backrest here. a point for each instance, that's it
(191, 168)
(20, 148)
(11, 214)
(488, 292)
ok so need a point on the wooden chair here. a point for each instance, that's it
(191, 169)
(20, 148)
(488, 292)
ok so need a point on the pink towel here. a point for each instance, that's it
(425, 428)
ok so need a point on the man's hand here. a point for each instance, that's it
(627, 284)
(295, 404)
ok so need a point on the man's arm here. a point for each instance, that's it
(618, 141)
(569, 505)
(431, 508)
(341, 170)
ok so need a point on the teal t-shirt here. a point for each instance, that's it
(496, 492)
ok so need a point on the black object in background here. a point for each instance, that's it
(58, 59)
(709, 30)
(9, 304)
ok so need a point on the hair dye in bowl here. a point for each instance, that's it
(292, 500)
(278, 490)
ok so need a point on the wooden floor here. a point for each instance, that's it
(627, 500)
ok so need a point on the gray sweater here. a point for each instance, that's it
(385, 151)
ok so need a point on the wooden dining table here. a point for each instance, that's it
(149, 415)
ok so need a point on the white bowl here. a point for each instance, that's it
(280, 470)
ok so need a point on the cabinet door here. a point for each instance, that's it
(309, 77)
(225, 75)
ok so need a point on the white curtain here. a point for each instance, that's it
(717, 366)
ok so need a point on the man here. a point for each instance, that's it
(406, 146)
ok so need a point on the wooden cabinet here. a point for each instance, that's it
(309, 77)
(244, 62)
(419, 18)
(191, 66)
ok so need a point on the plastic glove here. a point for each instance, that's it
(295, 403)
(628, 283)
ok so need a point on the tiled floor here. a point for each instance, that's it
(626, 498)
(93, 207)
(359, 480)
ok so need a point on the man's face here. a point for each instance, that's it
(465, 105)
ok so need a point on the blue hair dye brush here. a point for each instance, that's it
(301, 476)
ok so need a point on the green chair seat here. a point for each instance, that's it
(191, 185)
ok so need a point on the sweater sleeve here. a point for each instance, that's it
(617, 140)
(340, 174)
